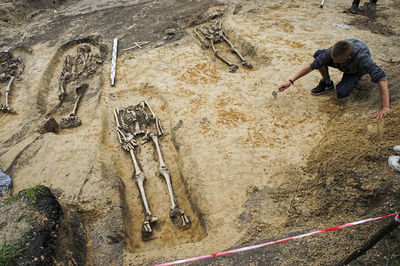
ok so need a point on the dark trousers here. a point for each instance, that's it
(348, 83)
(356, 3)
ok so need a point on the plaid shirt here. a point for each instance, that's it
(359, 64)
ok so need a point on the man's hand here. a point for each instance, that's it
(384, 111)
(284, 85)
(384, 90)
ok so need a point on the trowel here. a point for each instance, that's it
(275, 93)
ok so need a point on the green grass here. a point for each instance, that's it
(393, 247)
(10, 252)
(9, 200)
(19, 219)
(31, 193)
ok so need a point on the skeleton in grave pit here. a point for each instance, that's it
(130, 121)
(10, 69)
(214, 34)
(81, 66)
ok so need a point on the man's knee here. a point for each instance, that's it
(342, 92)
(347, 85)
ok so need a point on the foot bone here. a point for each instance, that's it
(178, 212)
(149, 223)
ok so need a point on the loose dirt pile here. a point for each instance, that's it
(245, 167)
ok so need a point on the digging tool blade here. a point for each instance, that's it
(275, 94)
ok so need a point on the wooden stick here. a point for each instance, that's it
(387, 229)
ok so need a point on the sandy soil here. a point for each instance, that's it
(245, 167)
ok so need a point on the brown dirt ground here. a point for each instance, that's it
(245, 167)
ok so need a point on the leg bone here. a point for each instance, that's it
(62, 85)
(175, 210)
(234, 50)
(8, 89)
(79, 91)
(6, 108)
(232, 67)
(149, 220)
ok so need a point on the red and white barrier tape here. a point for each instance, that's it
(278, 241)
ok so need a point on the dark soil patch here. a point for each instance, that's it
(40, 245)
(365, 23)
(43, 214)
(130, 22)
(72, 239)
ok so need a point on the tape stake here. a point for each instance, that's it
(114, 61)
(232, 251)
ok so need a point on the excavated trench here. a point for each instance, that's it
(167, 232)
(47, 96)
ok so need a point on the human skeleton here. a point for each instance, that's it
(81, 66)
(10, 69)
(130, 123)
(214, 34)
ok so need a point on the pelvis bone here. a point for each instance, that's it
(131, 121)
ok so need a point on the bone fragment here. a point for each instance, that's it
(79, 91)
(137, 45)
(204, 43)
(22, 66)
(70, 122)
(61, 87)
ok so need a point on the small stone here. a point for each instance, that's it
(237, 9)
(50, 125)
(170, 31)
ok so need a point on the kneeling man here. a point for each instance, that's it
(353, 58)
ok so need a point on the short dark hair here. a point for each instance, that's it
(341, 50)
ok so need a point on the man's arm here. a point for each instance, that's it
(378, 76)
(307, 69)
(384, 90)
